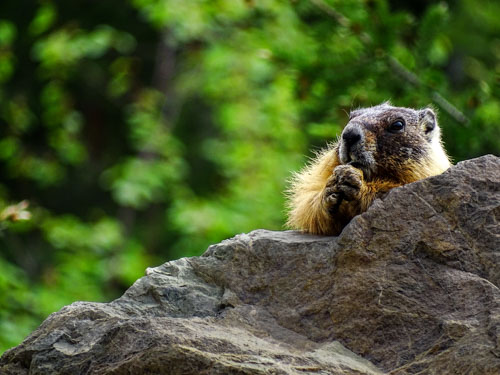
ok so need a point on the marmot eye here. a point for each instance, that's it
(396, 127)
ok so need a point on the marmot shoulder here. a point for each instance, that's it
(380, 148)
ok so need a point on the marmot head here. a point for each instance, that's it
(401, 144)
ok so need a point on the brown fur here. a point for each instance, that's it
(340, 184)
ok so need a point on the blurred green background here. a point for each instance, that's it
(136, 132)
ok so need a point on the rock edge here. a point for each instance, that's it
(411, 286)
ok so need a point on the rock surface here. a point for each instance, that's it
(409, 287)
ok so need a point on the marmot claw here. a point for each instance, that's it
(344, 184)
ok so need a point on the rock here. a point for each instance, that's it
(409, 287)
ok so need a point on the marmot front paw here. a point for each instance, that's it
(344, 184)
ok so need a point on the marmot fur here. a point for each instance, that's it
(380, 148)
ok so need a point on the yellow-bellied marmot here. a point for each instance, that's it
(380, 148)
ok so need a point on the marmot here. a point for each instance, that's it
(380, 148)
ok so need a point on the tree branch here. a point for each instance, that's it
(395, 65)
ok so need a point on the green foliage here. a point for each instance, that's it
(143, 131)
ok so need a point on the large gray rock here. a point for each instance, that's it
(409, 287)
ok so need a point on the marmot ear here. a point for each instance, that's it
(428, 120)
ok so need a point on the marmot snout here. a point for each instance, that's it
(380, 148)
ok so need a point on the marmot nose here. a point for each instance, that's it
(351, 136)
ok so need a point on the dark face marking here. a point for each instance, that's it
(391, 138)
